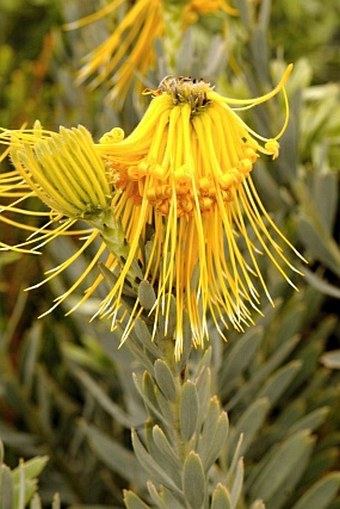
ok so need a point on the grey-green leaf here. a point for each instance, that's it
(113, 454)
(209, 429)
(165, 379)
(146, 295)
(132, 501)
(237, 484)
(321, 285)
(241, 353)
(311, 421)
(164, 454)
(7, 491)
(221, 498)
(103, 399)
(274, 473)
(321, 493)
(150, 466)
(188, 410)
(279, 381)
(217, 440)
(163, 445)
(249, 423)
(194, 483)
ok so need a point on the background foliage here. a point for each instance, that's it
(65, 390)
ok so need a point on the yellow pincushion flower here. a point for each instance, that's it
(129, 52)
(173, 205)
(186, 171)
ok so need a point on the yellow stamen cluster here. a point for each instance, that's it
(129, 52)
(186, 171)
(200, 176)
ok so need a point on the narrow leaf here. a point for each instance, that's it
(157, 474)
(155, 496)
(188, 410)
(113, 454)
(209, 430)
(237, 484)
(221, 498)
(274, 473)
(321, 494)
(194, 481)
(311, 421)
(132, 501)
(163, 445)
(218, 440)
(146, 295)
(279, 381)
(165, 379)
(264, 371)
(7, 491)
(32, 468)
(162, 452)
(146, 390)
(240, 354)
(103, 399)
(249, 423)
(321, 285)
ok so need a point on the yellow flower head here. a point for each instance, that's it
(173, 206)
(186, 172)
(129, 52)
(67, 174)
(63, 169)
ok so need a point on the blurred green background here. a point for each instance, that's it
(64, 389)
